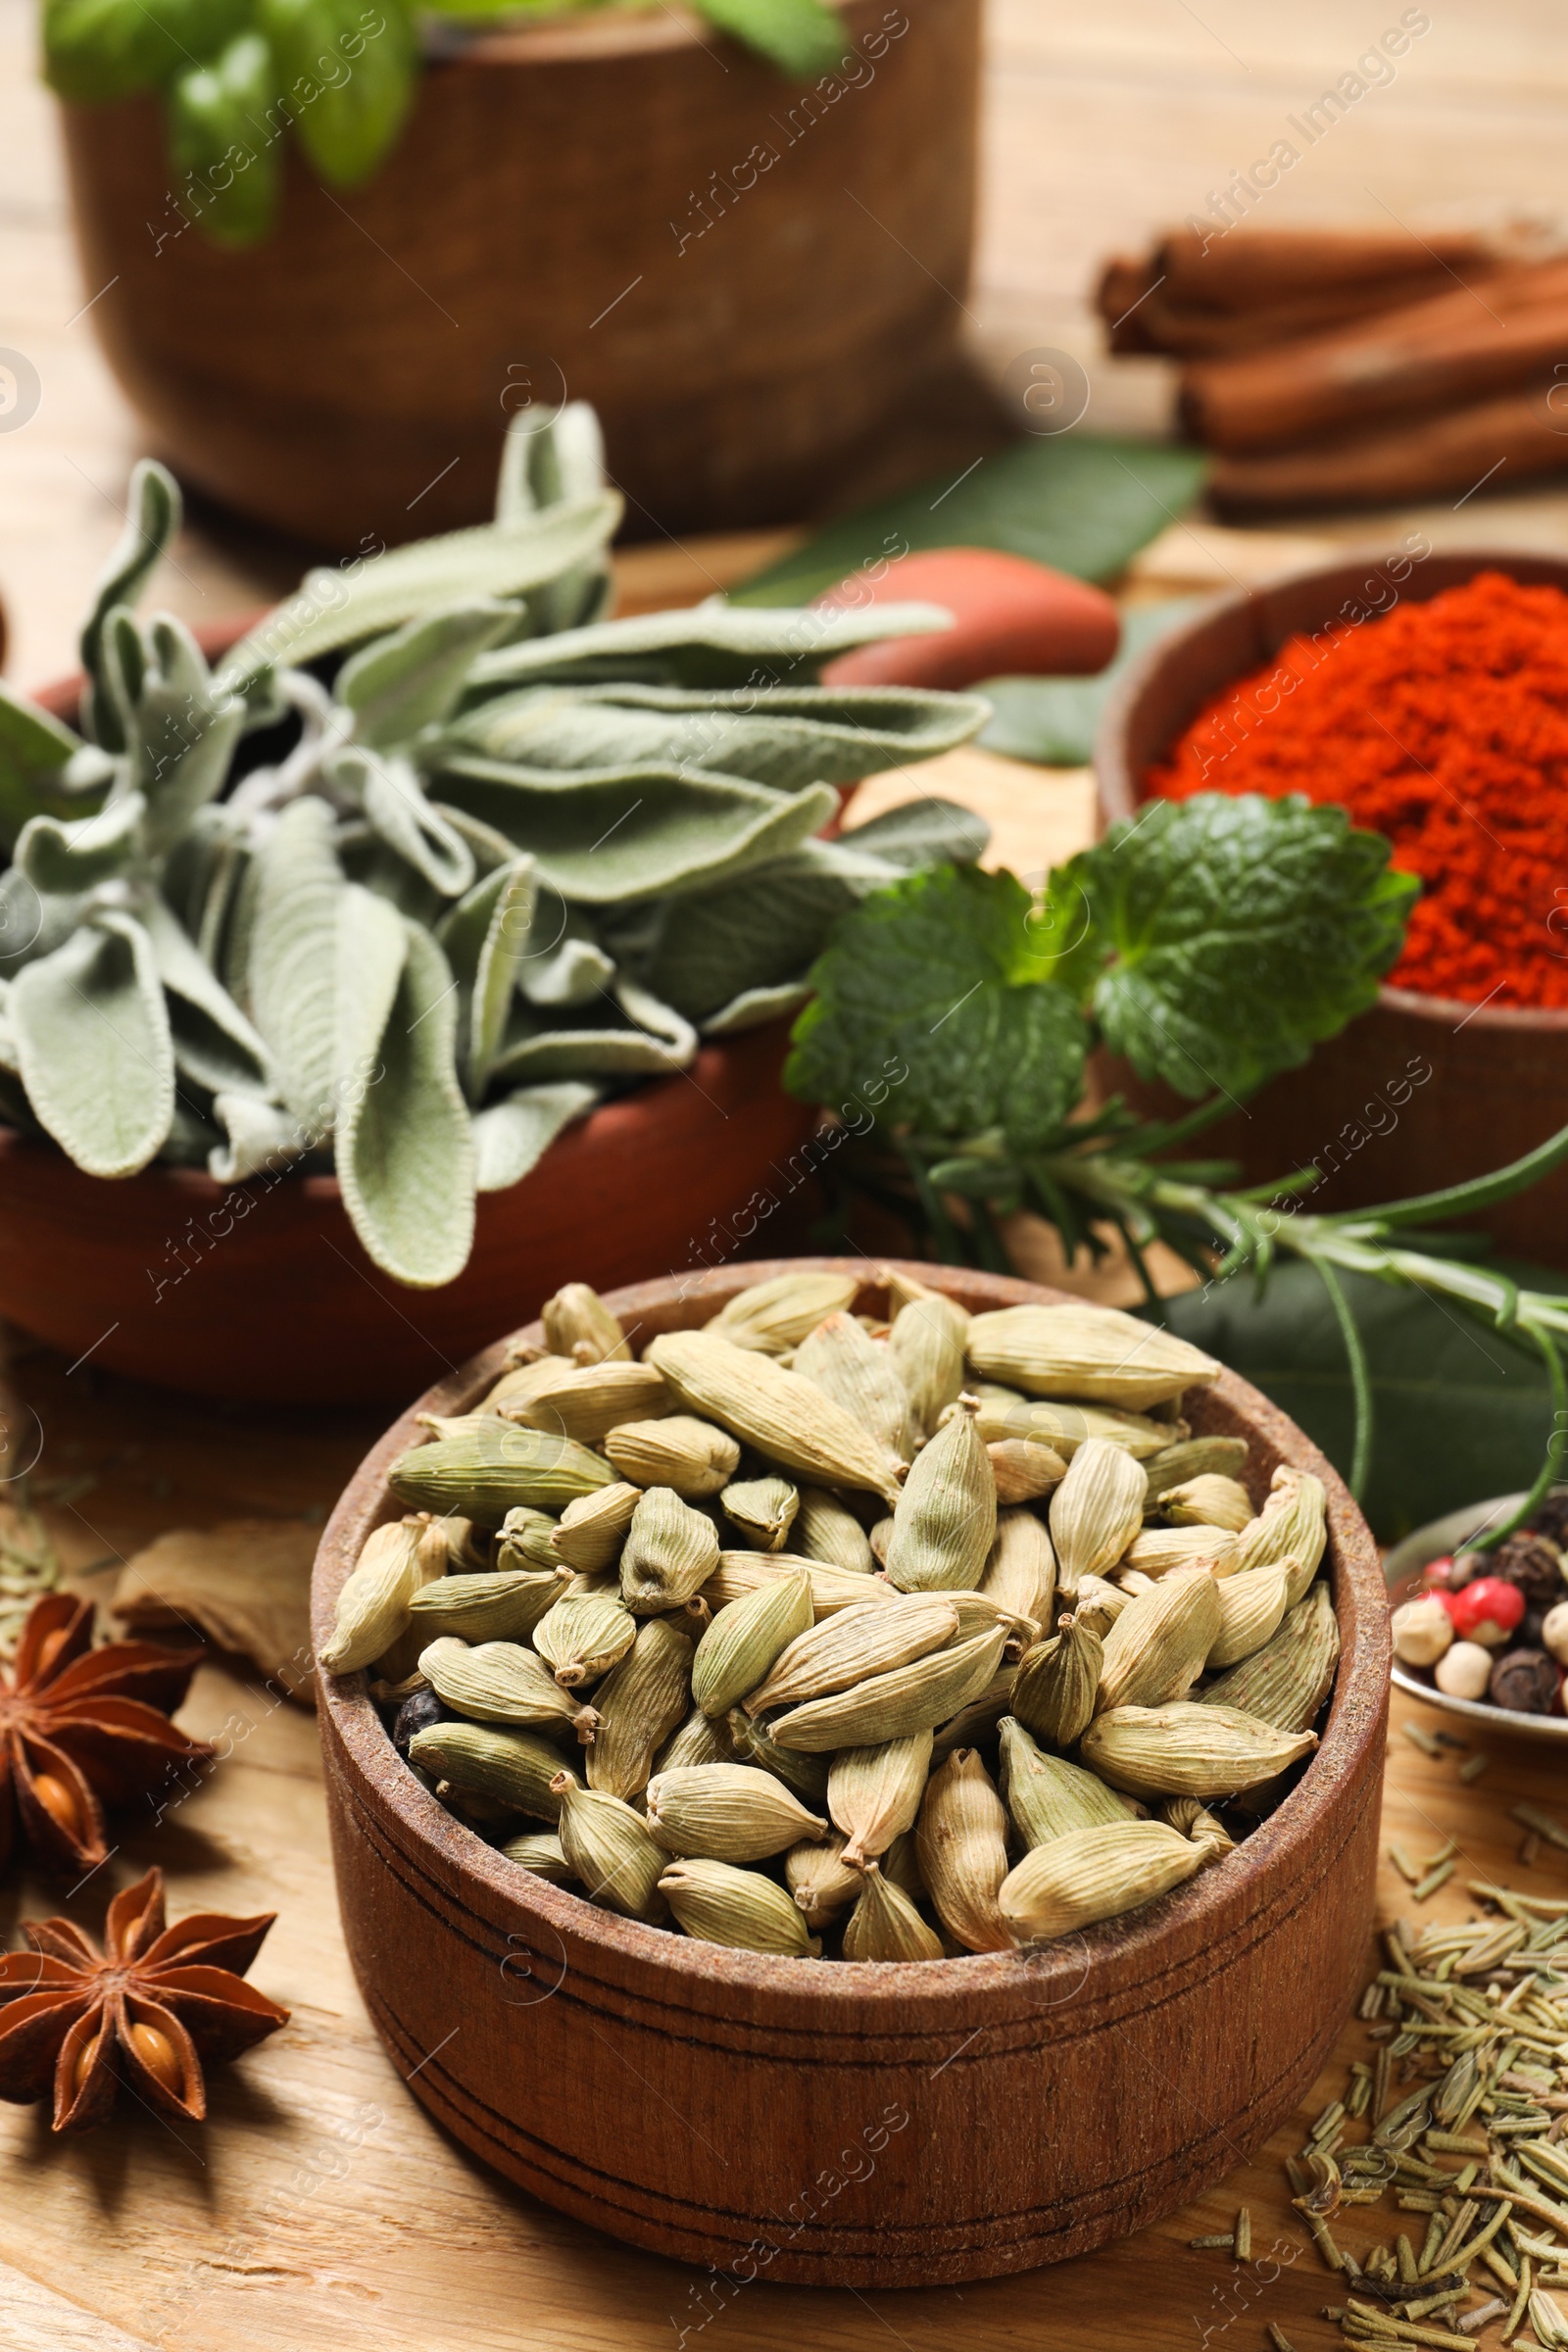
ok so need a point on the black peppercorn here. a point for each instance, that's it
(1525, 1680)
(417, 1714)
(1532, 1562)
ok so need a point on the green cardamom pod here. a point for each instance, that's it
(1157, 1648)
(1053, 1689)
(609, 1852)
(786, 1418)
(1292, 1524)
(719, 1905)
(670, 1551)
(886, 1926)
(945, 1521)
(821, 1881)
(873, 1793)
(842, 1359)
(1208, 1500)
(1192, 1457)
(1250, 1610)
(695, 1457)
(542, 1854)
(892, 1707)
(578, 1324)
(582, 1636)
(375, 1603)
(853, 1644)
(763, 1509)
(1287, 1680)
(832, 1588)
(1096, 1511)
(1095, 1874)
(804, 1775)
(492, 1470)
(727, 1812)
(586, 1402)
(736, 1652)
(1020, 1570)
(1083, 1351)
(697, 1738)
(593, 1529)
(501, 1682)
(775, 1317)
(961, 1838)
(503, 1607)
(526, 1539)
(515, 1769)
(640, 1701)
(1186, 1749)
(1047, 1797)
(826, 1530)
(926, 1345)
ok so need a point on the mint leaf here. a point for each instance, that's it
(1240, 932)
(929, 992)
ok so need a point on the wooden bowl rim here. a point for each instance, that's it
(775, 1987)
(1118, 793)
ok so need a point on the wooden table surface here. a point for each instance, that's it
(321, 2207)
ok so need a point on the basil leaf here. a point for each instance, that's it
(99, 50)
(346, 126)
(1240, 932)
(511, 1138)
(1079, 504)
(217, 142)
(1461, 1412)
(801, 38)
(92, 1038)
(930, 989)
(405, 1146)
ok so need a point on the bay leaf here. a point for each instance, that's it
(245, 1584)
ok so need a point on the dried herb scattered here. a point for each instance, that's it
(148, 2014)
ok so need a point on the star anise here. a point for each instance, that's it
(149, 2014)
(83, 1728)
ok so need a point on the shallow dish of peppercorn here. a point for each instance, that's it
(1484, 1631)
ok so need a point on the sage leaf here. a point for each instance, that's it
(930, 986)
(92, 1041)
(512, 1136)
(603, 838)
(152, 519)
(1079, 503)
(485, 939)
(713, 645)
(261, 1134)
(44, 769)
(392, 796)
(1238, 933)
(292, 956)
(410, 679)
(332, 610)
(183, 732)
(754, 1007)
(65, 859)
(783, 738)
(551, 456)
(924, 831)
(213, 1038)
(568, 966)
(632, 1035)
(405, 1143)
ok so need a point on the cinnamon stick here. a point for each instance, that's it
(1235, 269)
(1450, 349)
(1492, 445)
(1193, 331)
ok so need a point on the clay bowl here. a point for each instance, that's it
(859, 2125)
(1498, 1076)
(1401, 1569)
(619, 206)
(261, 1291)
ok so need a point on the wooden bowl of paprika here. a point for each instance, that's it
(1449, 1074)
(864, 2125)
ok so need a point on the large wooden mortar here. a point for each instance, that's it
(584, 208)
(859, 2125)
(1420, 1092)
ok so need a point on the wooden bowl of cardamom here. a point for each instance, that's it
(784, 2111)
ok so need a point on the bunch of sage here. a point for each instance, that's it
(435, 857)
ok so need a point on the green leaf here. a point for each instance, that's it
(213, 1038)
(754, 1007)
(486, 940)
(1242, 932)
(629, 1034)
(92, 1038)
(221, 145)
(62, 859)
(801, 38)
(511, 1138)
(638, 833)
(260, 1134)
(924, 831)
(290, 908)
(334, 607)
(98, 50)
(929, 989)
(1080, 503)
(786, 738)
(349, 120)
(549, 455)
(405, 1143)
(152, 521)
(392, 796)
(712, 645)
(1054, 721)
(1462, 1414)
(410, 679)
(44, 769)
(183, 732)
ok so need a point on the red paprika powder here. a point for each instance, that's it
(1444, 726)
